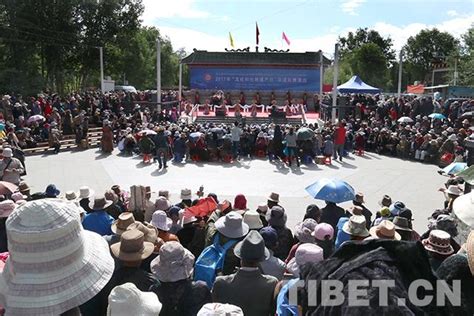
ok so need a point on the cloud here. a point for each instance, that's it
(350, 6)
(452, 13)
(155, 10)
(399, 34)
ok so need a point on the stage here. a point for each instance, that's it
(311, 117)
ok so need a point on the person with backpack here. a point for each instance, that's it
(219, 258)
(248, 288)
(178, 293)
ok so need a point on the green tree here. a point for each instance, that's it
(425, 47)
(466, 59)
(363, 36)
(369, 62)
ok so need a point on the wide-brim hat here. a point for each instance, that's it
(359, 198)
(252, 218)
(304, 230)
(70, 196)
(322, 230)
(232, 225)
(6, 208)
(54, 264)
(218, 309)
(160, 220)
(470, 251)
(121, 224)
(274, 197)
(386, 201)
(99, 204)
(401, 223)
(454, 190)
(385, 230)
(438, 242)
(252, 248)
(132, 246)
(174, 263)
(356, 226)
(127, 299)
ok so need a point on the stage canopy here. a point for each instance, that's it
(356, 85)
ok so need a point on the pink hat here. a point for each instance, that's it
(162, 204)
(6, 208)
(322, 230)
(18, 196)
(305, 253)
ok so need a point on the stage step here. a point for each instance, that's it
(248, 120)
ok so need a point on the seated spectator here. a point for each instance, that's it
(98, 220)
(277, 220)
(127, 299)
(271, 266)
(324, 234)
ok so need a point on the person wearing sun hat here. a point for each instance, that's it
(304, 234)
(356, 228)
(460, 266)
(223, 208)
(85, 194)
(248, 288)
(304, 254)
(438, 247)
(127, 300)
(99, 220)
(324, 234)
(131, 251)
(384, 230)
(6, 208)
(271, 266)
(176, 289)
(217, 309)
(402, 226)
(252, 218)
(10, 167)
(163, 224)
(230, 227)
(277, 219)
(383, 214)
(50, 250)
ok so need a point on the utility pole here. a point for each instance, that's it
(400, 65)
(180, 80)
(455, 70)
(101, 53)
(158, 73)
(334, 83)
(321, 74)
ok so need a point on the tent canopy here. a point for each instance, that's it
(356, 85)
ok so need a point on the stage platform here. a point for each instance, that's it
(311, 117)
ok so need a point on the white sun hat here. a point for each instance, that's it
(54, 264)
(128, 300)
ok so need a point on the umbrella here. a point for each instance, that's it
(146, 132)
(7, 188)
(304, 133)
(437, 116)
(455, 168)
(405, 119)
(204, 207)
(195, 135)
(331, 190)
(467, 175)
(35, 118)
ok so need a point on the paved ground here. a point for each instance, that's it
(414, 183)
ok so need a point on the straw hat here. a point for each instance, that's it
(439, 242)
(469, 247)
(127, 299)
(23, 187)
(6, 208)
(322, 230)
(355, 226)
(218, 309)
(85, 192)
(186, 194)
(274, 197)
(252, 248)
(304, 230)
(132, 246)
(54, 264)
(160, 220)
(121, 224)
(71, 196)
(385, 230)
(231, 225)
(359, 198)
(386, 201)
(99, 204)
(174, 263)
(252, 218)
(149, 232)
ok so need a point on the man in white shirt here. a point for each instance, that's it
(235, 132)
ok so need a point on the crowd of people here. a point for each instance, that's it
(120, 253)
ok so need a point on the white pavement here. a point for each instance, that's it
(413, 183)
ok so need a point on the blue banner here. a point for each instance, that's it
(266, 79)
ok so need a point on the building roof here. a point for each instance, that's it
(199, 57)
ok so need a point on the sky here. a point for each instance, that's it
(310, 25)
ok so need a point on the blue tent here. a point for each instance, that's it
(356, 85)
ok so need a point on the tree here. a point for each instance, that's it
(368, 61)
(422, 49)
(364, 36)
(466, 59)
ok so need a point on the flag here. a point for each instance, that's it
(231, 40)
(285, 38)
(204, 207)
(257, 33)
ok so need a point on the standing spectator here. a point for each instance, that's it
(236, 132)
(291, 147)
(161, 147)
(339, 141)
(10, 167)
